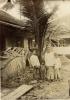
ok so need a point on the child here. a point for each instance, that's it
(35, 64)
(50, 62)
(34, 61)
(57, 68)
(43, 70)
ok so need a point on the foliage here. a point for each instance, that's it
(33, 9)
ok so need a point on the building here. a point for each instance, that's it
(14, 29)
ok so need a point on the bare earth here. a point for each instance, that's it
(44, 90)
(55, 90)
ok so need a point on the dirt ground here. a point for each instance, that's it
(49, 90)
(55, 90)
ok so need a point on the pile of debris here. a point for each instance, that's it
(13, 65)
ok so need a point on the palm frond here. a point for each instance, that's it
(33, 9)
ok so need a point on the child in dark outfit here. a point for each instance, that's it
(43, 71)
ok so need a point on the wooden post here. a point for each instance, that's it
(26, 44)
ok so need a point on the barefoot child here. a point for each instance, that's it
(43, 70)
(35, 64)
(57, 68)
(50, 62)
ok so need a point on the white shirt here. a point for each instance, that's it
(57, 63)
(34, 61)
(49, 59)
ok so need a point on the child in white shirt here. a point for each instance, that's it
(35, 64)
(57, 68)
(49, 63)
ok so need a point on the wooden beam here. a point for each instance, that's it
(18, 92)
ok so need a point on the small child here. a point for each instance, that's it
(35, 64)
(49, 63)
(57, 68)
(43, 70)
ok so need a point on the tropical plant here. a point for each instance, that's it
(33, 9)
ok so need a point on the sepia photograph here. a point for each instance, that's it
(34, 49)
